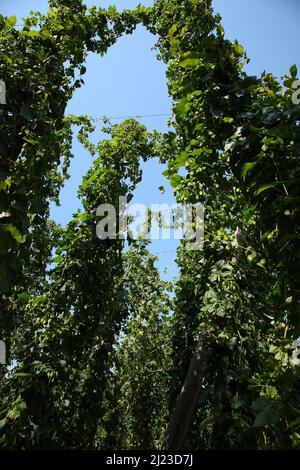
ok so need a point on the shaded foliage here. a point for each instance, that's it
(99, 351)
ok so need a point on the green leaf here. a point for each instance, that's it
(238, 49)
(268, 416)
(112, 10)
(15, 233)
(175, 181)
(180, 160)
(24, 296)
(189, 63)
(266, 412)
(294, 71)
(33, 34)
(236, 402)
(57, 259)
(3, 423)
(182, 108)
(7, 58)
(5, 184)
(263, 188)
(172, 30)
(31, 141)
(288, 83)
(11, 20)
(247, 167)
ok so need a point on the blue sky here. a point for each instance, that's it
(129, 81)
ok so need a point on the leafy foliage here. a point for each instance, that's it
(99, 351)
(236, 137)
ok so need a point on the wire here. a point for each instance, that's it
(138, 116)
(133, 117)
(163, 252)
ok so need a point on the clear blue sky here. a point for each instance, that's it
(130, 81)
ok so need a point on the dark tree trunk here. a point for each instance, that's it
(182, 416)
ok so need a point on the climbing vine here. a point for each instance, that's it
(99, 350)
